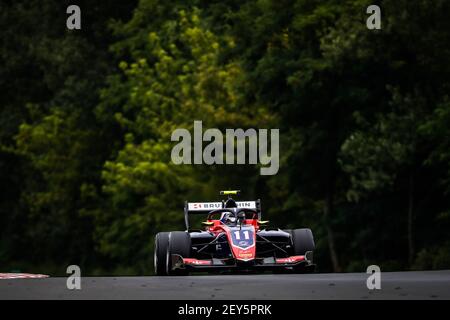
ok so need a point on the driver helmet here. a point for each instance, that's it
(228, 218)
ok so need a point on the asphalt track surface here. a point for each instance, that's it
(433, 285)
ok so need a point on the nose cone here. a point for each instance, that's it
(242, 242)
(244, 255)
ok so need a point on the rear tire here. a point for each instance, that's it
(302, 241)
(160, 254)
(179, 243)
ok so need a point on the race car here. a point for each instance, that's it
(234, 239)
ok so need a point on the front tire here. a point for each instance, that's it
(302, 241)
(179, 243)
(160, 253)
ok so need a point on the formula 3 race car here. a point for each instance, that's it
(234, 239)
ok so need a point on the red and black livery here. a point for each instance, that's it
(234, 239)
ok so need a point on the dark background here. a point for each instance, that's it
(86, 117)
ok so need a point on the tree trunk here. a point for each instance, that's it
(328, 208)
(411, 252)
(330, 155)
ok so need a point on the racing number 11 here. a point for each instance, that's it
(237, 234)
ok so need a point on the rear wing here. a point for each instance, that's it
(205, 207)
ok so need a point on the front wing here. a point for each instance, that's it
(302, 262)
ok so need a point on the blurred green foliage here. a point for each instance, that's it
(86, 118)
